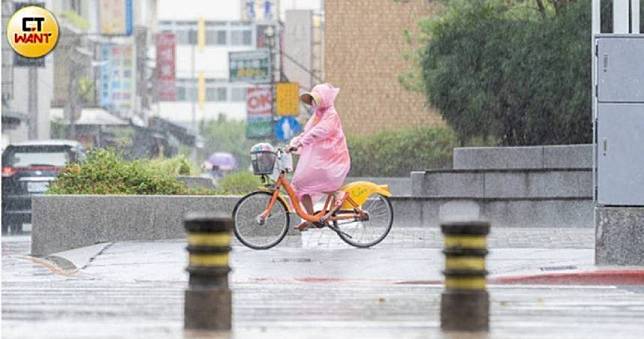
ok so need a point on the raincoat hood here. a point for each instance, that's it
(326, 93)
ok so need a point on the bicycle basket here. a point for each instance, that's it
(262, 157)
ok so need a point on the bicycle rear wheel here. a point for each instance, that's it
(369, 232)
(253, 233)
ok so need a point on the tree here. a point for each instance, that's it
(516, 71)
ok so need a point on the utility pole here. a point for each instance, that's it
(71, 106)
(195, 88)
(270, 42)
(193, 75)
(32, 104)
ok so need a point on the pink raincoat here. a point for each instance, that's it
(324, 157)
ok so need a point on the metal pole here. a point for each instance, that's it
(281, 50)
(71, 99)
(32, 97)
(194, 84)
(596, 29)
(195, 88)
(271, 62)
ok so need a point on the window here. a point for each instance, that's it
(248, 38)
(241, 37)
(182, 37)
(26, 156)
(181, 93)
(221, 37)
(186, 36)
(236, 38)
(216, 37)
(185, 31)
(218, 33)
(185, 90)
(192, 37)
(238, 94)
(216, 94)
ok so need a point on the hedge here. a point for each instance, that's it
(397, 153)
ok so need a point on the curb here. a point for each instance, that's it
(79, 258)
(590, 277)
(597, 277)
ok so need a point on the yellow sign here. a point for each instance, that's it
(201, 34)
(288, 98)
(32, 32)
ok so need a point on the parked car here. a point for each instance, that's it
(27, 169)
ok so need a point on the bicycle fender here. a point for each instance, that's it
(360, 191)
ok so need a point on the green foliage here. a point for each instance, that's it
(224, 135)
(241, 182)
(75, 19)
(86, 90)
(396, 153)
(105, 172)
(179, 165)
(411, 78)
(514, 71)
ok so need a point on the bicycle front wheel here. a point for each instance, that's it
(366, 233)
(254, 232)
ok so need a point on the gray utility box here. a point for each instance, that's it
(620, 120)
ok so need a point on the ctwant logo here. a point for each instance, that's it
(32, 32)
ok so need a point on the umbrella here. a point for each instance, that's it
(225, 161)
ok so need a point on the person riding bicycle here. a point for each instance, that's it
(324, 156)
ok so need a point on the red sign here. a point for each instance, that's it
(259, 101)
(259, 106)
(166, 60)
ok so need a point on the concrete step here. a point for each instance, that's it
(429, 212)
(528, 157)
(521, 184)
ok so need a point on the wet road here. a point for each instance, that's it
(135, 290)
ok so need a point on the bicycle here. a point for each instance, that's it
(262, 218)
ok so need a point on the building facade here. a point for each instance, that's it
(364, 44)
(221, 96)
(229, 26)
(224, 33)
(26, 90)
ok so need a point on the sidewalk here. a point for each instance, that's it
(135, 289)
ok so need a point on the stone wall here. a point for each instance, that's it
(525, 157)
(64, 222)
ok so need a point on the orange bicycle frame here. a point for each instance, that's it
(295, 203)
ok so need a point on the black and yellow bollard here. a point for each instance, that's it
(208, 298)
(465, 303)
